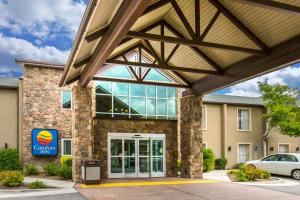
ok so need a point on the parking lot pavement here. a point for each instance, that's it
(294, 189)
(73, 196)
(209, 191)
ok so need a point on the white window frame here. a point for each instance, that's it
(284, 144)
(62, 146)
(238, 151)
(204, 116)
(61, 100)
(250, 119)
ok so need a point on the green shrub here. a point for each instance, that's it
(30, 170)
(238, 165)
(220, 163)
(65, 172)
(51, 169)
(12, 178)
(208, 160)
(9, 160)
(66, 160)
(37, 185)
(248, 173)
(179, 165)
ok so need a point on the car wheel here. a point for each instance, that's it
(296, 174)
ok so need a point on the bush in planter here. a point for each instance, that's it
(51, 169)
(9, 160)
(248, 173)
(238, 166)
(220, 163)
(30, 170)
(37, 185)
(208, 160)
(65, 172)
(12, 178)
(66, 160)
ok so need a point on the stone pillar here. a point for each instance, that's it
(191, 137)
(81, 127)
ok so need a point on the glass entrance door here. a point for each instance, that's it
(132, 156)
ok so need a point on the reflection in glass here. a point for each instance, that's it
(161, 92)
(137, 90)
(121, 105)
(121, 72)
(157, 147)
(171, 107)
(105, 105)
(66, 99)
(157, 164)
(144, 148)
(129, 164)
(129, 149)
(120, 88)
(154, 75)
(103, 87)
(171, 92)
(151, 91)
(144, 164)
(116, 165)
(151, 107)
(116, 147)
(137, 105)
(161, 107)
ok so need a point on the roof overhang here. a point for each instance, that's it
(207, 44)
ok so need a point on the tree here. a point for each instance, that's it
(282, 110)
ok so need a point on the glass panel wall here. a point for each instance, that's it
(126, 100)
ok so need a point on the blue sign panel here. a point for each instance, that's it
(44, 142)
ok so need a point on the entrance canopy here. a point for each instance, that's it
(204, 45)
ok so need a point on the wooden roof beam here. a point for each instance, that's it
(273, 5)
(123, 20)
(240, 25)
(141, 82)
(163, 66)
(281, 55)
(192, 43)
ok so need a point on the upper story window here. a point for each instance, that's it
(204, 118)
(244, 119)
(126, 100)
(66, 99)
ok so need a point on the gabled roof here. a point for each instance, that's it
(236, 100)
(9, 83)
(220, 42)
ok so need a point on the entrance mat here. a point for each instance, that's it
(149, 183)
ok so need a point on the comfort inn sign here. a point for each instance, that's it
(44, 142)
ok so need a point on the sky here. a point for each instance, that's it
(45, 30)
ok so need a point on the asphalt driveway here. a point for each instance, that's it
(205, 191)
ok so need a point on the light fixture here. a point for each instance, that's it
(272, 149)
(229, 148)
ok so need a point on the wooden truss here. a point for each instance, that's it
(194, 41)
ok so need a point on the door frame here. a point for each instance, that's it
(124, 136)
(238, 150)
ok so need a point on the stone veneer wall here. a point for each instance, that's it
(42, 109)
(103, 126)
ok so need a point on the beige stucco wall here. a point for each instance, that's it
(252, 137)
(9, 117)
(212, 134)
(276, 138)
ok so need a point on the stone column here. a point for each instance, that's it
(81, 127)
(191, 137)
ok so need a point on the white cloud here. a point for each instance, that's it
(287, 76)
(20, 48)
(41, 17)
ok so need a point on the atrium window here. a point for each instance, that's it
(126, 100)
(66, 99)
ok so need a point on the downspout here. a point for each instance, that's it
(265, 139)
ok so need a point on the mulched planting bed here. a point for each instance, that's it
(23, 186)
(43, 175)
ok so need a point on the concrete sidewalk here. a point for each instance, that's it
(218, 175)
(62, 187)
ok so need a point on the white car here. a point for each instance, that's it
(287, 164)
